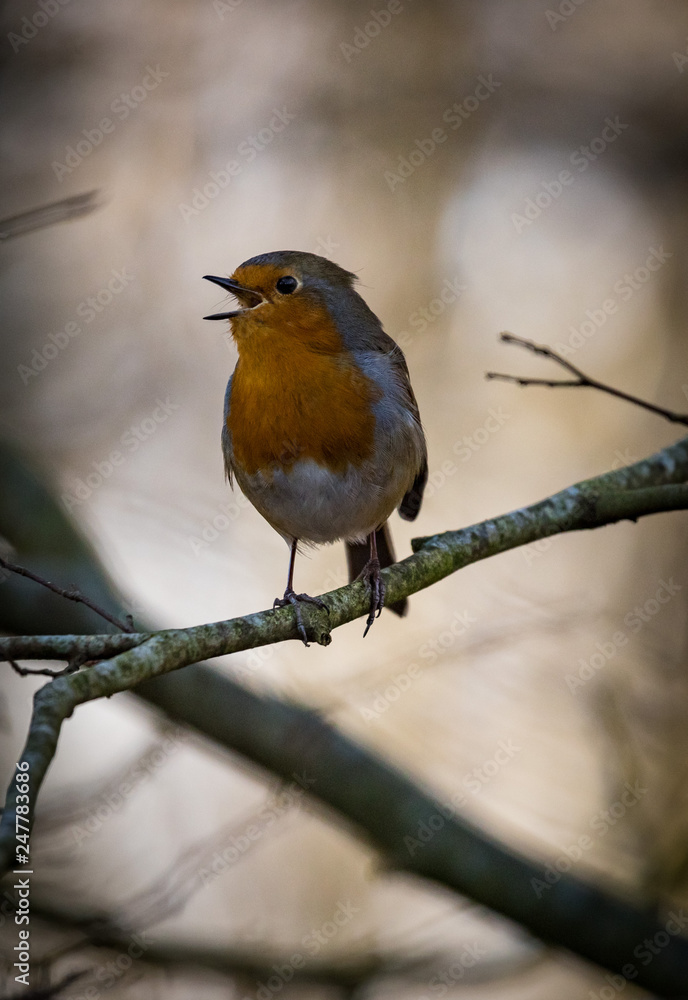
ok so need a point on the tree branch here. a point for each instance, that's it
(256, 962)
(65, 647)
(48, 215)
(417, 832)
(650, 486)
(420, 834)
(580, 380)
(71, 595)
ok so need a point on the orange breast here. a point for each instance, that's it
(296, 394)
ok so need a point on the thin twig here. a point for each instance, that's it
(581, 379)
(71, 595)
(71, 667)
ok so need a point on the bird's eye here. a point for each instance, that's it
(287, 285)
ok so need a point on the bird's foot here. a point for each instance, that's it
(370, 574)
(290, 597)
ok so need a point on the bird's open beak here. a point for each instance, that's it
(236, 289)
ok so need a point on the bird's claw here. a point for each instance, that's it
(370, 574)
(294, 599)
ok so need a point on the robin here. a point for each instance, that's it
(321, 427)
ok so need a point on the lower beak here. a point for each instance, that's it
(235, 289)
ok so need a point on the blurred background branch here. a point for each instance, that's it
(417, 832)
(63, 210)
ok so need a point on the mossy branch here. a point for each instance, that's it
(382, 802)
(653, 485)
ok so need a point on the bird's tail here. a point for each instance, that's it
(357, 554)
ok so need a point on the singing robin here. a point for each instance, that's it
(321, 427)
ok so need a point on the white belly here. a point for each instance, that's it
(313, 504)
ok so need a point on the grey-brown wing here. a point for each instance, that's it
(410, 505)
(227, 450)
(411, 502)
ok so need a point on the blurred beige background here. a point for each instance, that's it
(322, 108)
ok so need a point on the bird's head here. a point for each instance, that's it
(288, 293)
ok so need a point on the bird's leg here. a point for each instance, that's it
(291, 598)
(371, 575)
(292, 563)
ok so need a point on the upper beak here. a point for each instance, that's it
(234, 287)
